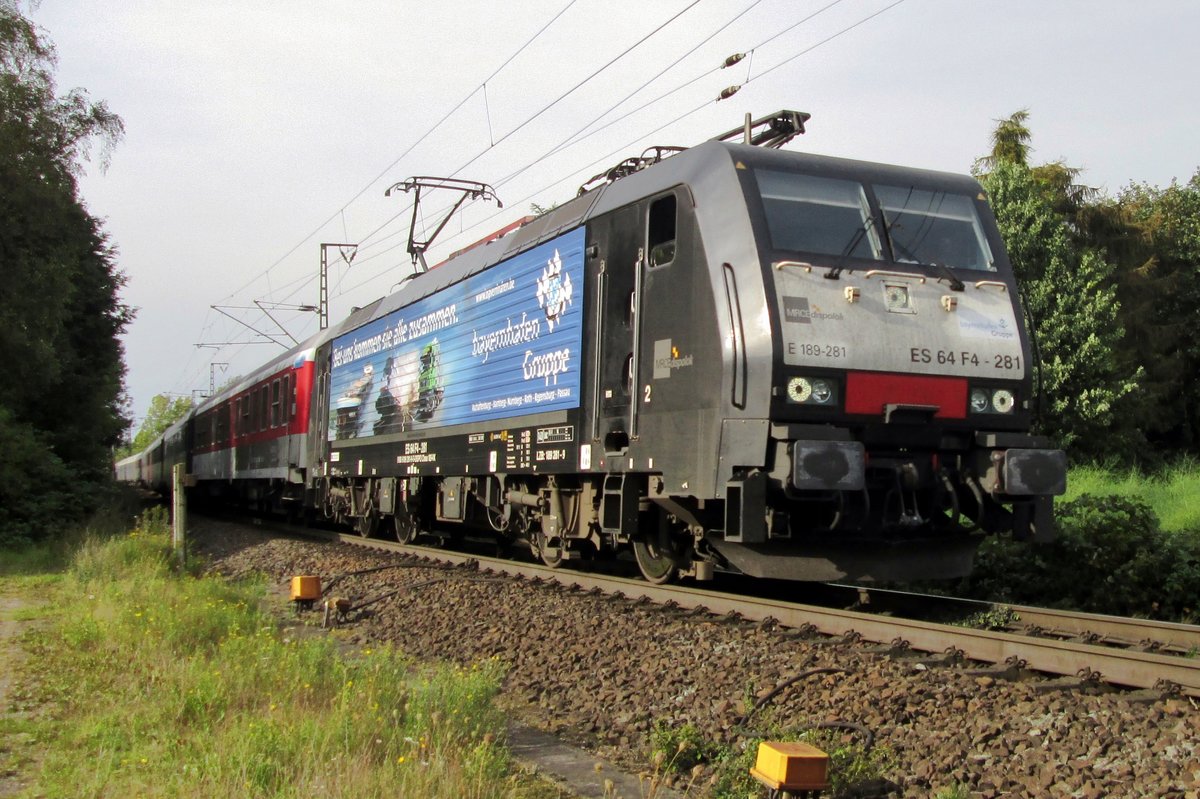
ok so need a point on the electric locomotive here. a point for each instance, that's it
(729, 356)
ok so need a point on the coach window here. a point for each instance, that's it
(660, 231)
(289, 405)
(275, 415)
(263, 401)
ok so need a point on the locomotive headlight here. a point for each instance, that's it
(799, 389)
(991, 400)
(812, 391)
(822, 391)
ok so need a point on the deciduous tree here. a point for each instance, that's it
(1069, 294)
(162, 413)
(60, 313)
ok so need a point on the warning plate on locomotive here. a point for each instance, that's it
(556, 435)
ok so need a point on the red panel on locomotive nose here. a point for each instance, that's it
(867, 393)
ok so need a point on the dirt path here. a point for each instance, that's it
(10, 654)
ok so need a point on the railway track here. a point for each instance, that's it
(1131, 653)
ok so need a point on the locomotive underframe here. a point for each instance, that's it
(881, 514)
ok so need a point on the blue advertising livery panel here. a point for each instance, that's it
(502, 343)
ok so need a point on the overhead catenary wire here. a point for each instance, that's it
(366, 240)
(370, 240)
(576, 138)
(826, 40)
(788, 60)
(383, 173)
(408, 150)
(506, 179)
(603, 159)
(572, 140)
(546, 108)
(575, 135)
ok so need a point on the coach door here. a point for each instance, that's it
(619, 241)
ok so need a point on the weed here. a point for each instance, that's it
(953, 792)
(680, 748)
(999, 617)
(850, 762)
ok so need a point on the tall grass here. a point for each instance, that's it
(167, 685)
(1173, 492)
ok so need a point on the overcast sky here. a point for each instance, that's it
(256, 130)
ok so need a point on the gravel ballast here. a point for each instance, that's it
(601, 672)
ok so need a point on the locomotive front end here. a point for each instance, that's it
(901, 396)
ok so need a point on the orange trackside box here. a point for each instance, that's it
(791, 766)
(306, 588)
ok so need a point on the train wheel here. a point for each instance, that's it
(658, 555)
(405, 527)
(368, 523)
(550, 553)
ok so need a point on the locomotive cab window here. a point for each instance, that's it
(934, 227)
(660, 231)
(817, 215)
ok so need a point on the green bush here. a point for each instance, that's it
(34, 483)
(1111, 556)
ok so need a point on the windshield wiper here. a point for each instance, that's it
(900, 249)
(836, 270)
(955, 283)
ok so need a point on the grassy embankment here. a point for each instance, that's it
(1173, 493)
(137, 681)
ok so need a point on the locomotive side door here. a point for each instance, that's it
(619, 241)
(318, 422)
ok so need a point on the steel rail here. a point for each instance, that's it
(1183, 638)
(1125, 667)
(1093, 627)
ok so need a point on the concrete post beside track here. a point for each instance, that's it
(179, 517)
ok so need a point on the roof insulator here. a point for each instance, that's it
(728, 92)
(733, 59)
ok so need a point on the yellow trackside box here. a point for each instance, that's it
(306, 589)
(791, 766)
